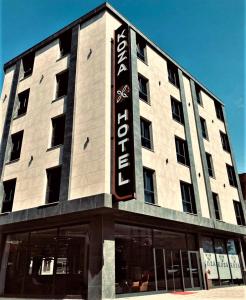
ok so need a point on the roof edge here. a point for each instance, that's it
(53, 36)
(107, 7)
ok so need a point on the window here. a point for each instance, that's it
(231, 175)
(204, 128)
(141, 48)
(16, 140)
(173, 74)
(216, 206)
(146, 138)
(177, 110)
(53, 184)
(8, 195)
(143, 88)
(219, 110)
(58, 127)
(149, 195)
(239, 212)
(188, 198)
(210, 164)
(225, 141)
(182, 151)
(198, 94)
(23, 102)
(62, 84)
(27, 63)
(65, 43)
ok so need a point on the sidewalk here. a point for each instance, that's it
(228, 293)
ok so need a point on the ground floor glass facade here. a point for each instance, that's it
(59, 262)
(47, 262)
(161, 260)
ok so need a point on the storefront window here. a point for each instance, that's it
(210, 259)
(234, 261)
(14, 261)
(222, 261)
(47, 262)
(155, 260)
(169, 240)
(134, 259)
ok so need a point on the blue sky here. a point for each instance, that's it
(205, 37)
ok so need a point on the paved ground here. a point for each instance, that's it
(228, 293)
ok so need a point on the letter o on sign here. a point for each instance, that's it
(122, 130)
(121, 46)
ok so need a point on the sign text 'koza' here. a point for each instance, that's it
(123, 154)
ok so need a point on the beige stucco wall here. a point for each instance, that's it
(220, 157)
(168, 175)
(90, 172)
(31, 180)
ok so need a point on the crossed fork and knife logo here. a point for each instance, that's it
(123, 93)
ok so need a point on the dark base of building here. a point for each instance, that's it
(105, 253)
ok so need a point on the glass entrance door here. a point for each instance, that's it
(176, 270)
(194, 266)
(168, 273)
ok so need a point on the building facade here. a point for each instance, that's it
(117, 172)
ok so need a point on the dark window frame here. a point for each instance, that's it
(62, 84)
(204, 128)
(173, 76)
(65, 41)
(187, 190)
(182, 151)
(210, 165)
(143, 88)
(27, 64)
(219, 111)
(149, 193)
(9, 194)
(225, 142)
(177, 110)
(57, 138)
(16, 145)
(53, 184)
(23, 98)
(198, 94)
(216, 204)
(239, 213)
(141, 46)
(146, 133)
(231, 175)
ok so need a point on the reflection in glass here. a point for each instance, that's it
(160, 269)
(134, 260)
(14, 260)
(47, 262)
(186, 270)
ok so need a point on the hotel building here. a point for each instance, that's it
(117, 171)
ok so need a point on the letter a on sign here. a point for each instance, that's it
(123, 144)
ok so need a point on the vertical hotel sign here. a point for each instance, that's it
(123, 145)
